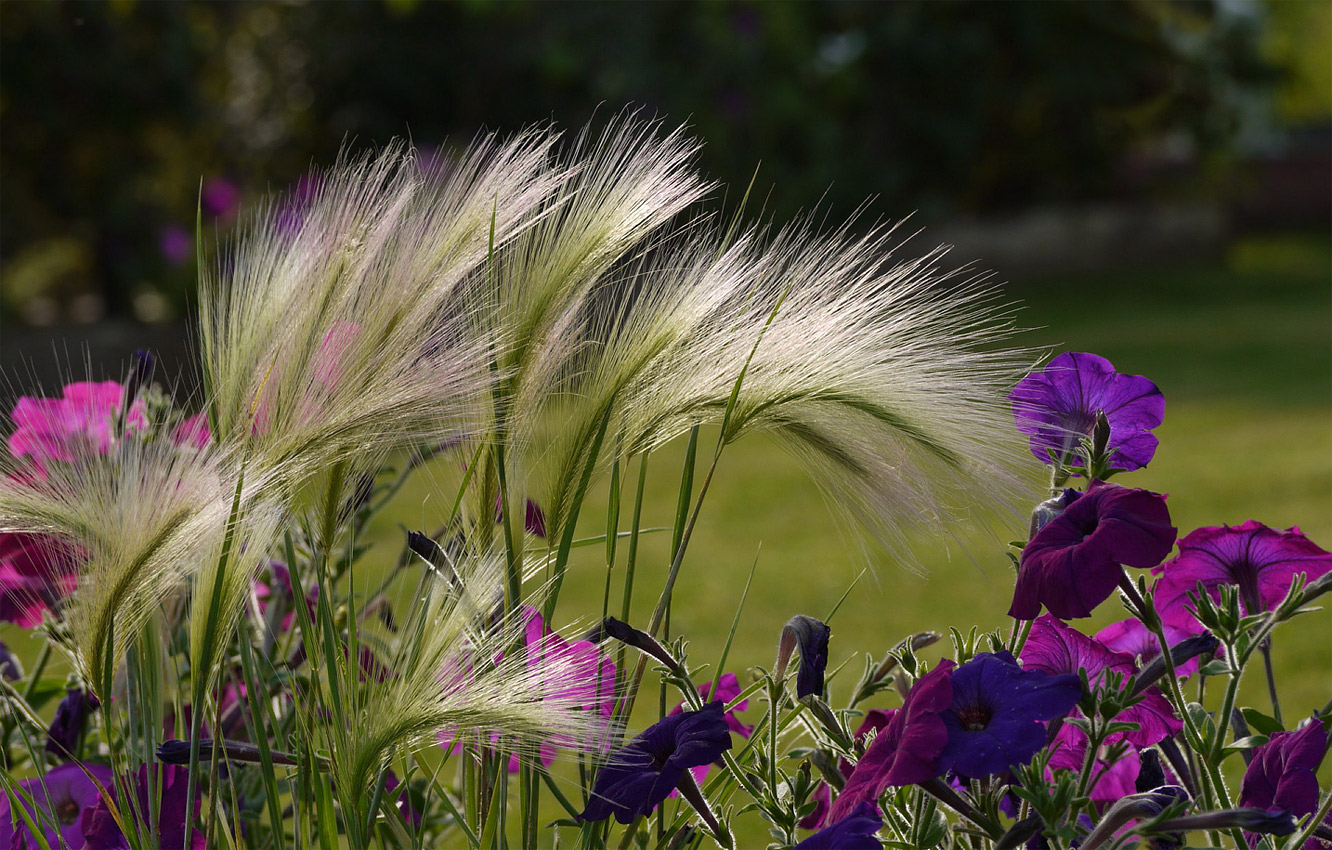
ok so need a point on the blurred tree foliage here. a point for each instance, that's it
(114, 113)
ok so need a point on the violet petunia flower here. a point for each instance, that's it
(854, 832)
(1057, 407)
(61, 798)
(1055, 648)
(1283, 774)
(62, 429)
(1074, 563)
(640, 775)
(101, 832)
(1261, 561)
(907, 751)
(998, 713)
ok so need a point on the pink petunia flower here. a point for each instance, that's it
(64, 428)
(1057, 648)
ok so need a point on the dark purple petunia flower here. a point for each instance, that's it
(1055, 648)
(1074, 563)
(1115, 768)
(853, 832)
(1283, 772)
(62, 797)
(67, 726)
(534, 519)
(998, 713)
(644, 771)
(907, 751)
(1058, 405)
(1262, 561)
(102, 833)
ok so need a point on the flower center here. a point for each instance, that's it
(974, 718)
(67, 812)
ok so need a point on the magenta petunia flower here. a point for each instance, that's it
(998, 713)
(36, 571)
(1057, 407)
(1283, 773)
(907, 750)
(1261, 561)
(101, 832)
(192, 432)
(875, 721)
(62, 429)
(640, 775)
(1115, 769)
(62, 798)
(1074, 563)
(728, 688)
(589, 684)
(1056, 648)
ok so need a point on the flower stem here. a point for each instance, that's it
(1266, 649)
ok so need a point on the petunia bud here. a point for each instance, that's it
(630, 636)
(810, 636)
(10, 668)
(1180, 653)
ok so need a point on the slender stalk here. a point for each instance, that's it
(1266, 649)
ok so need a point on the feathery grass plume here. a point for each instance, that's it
(143, 516)
(880, 377)
(341, 326)
(458, 663)
(627, 185)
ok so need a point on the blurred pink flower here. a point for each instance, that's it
(63, 428)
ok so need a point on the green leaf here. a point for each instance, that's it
(1244, 744)
(1260, 722)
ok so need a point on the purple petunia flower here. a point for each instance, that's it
(998, 713)
(175, 244)
(102, 833)
(1055, 648)
(853, 832)
(1058, 405)
(907, 751)
(67, 726)
(1283, 774)
(220, 198)
(534, 519)
(1262, 561)
(640, 775)
(1074, 563)
(62, 798)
